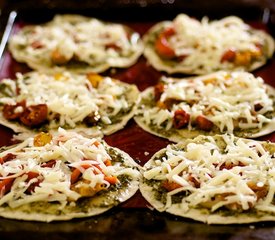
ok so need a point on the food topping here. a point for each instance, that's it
(223, 101)
(63, 167)
(221, 172)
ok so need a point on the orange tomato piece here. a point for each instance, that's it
(162, 45)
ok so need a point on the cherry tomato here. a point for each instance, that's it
(158, 90)
(181, 118)
(12, 112)
(34, 115)
(229, 56)
(162, 45)
(203, 123)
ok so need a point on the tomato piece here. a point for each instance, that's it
(41, 139)
(5, 186)
(243, 58)
(58, 58)
(162, 45)
(260, 191)
(203, 123)
(111, 179)
(113, 46)
(34, 115)
(13, 112)
(168, 32)
(158, 90)
(194, 181)
(96, 143)
(37, 44)
(163, 48)
(170, 186)
(76, 173)
(31, 175)
(94, 79)
(181, 118)
(7, 158)
(108, 162)
(49, 164)
(229, 56)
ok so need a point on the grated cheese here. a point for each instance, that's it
(229, 176)
(70, 98)
(199, 46)
(84, 41)
(226, 99)
(70, 151)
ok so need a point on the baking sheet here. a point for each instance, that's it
(133, 219)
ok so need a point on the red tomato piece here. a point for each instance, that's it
(34, 115)
(181, 118)
(203, 123)
(12, 112)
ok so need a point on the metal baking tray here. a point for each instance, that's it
(133, 219)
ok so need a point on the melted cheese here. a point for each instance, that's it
(225, 176)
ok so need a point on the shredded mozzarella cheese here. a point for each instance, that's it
(78, 39)
(229, 100)
(70, 98)
(69, 151)
(238, 176)
(204, 46)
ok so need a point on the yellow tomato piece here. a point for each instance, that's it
(58, 76)
(94, 79)
(42, 139)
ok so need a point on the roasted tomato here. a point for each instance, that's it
(260, 191)
(34, 115)
(162, 45)
(113, 46)
(7, 158)
(181, 118)
(194, 181)
(49, 164)
(158, 90)
(37, 44)
(13, 112)
(170, 186)
(229, 56)
(58, 58)
(94, 79)
(203, 123)
(5, 186)
(32, 175)
(242, 57)
(41, 139)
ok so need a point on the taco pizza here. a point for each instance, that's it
(217, 179)
(64, 176)
(186, 45)
(76, 43)
(236, 103)
(91, 104)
